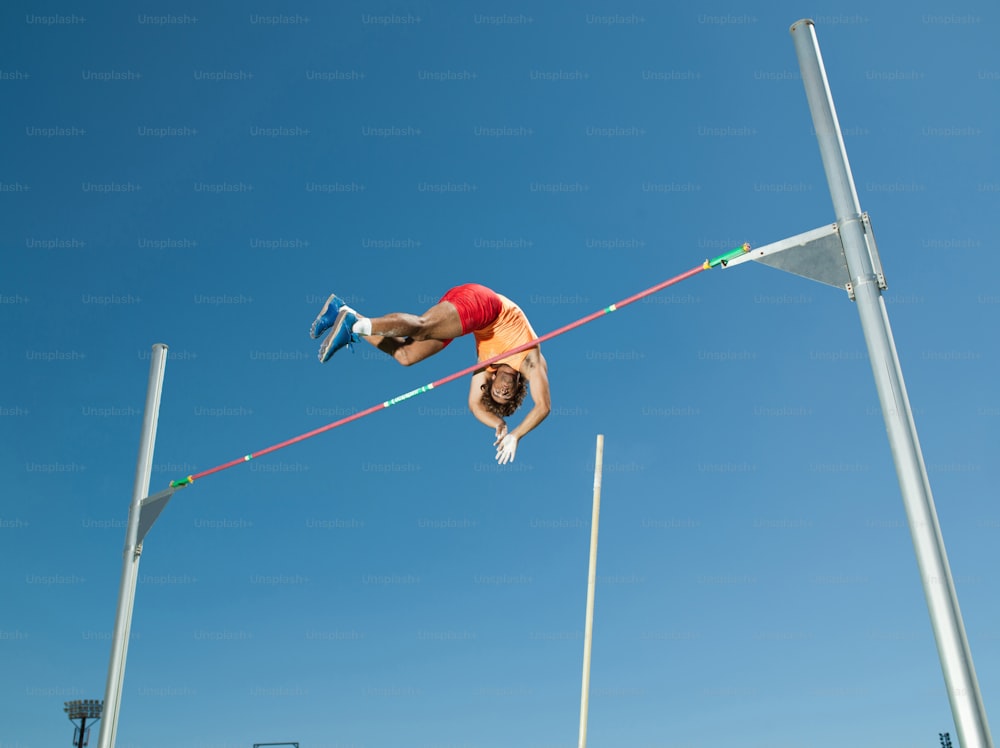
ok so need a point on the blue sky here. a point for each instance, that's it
(206, 179)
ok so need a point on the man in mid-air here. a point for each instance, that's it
(497, 323)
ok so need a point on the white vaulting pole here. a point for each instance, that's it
(591, 585)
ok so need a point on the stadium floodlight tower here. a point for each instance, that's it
(83, 709)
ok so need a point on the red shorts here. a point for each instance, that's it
(477, 306)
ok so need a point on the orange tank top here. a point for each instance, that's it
(509, 330)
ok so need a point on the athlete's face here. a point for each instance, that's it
(504, 384)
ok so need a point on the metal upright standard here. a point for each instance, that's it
(591, 588)
(856, 259)
(844, 255)
(134, 534)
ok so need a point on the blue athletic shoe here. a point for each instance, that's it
(340, 334)
(325, 319)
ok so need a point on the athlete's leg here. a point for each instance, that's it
(440, 322)
(406, 351)
(409, 338)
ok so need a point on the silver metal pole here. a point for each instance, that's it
(591, 587)
(133, 549)
(939, 587)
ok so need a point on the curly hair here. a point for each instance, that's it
(504, 409)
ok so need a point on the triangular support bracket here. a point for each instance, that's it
(150, 509)
(819, 256)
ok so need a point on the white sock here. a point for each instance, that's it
(362, 327)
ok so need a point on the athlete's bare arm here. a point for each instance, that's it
(476, 403)
(535, 370)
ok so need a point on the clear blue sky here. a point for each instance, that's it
(204, 178)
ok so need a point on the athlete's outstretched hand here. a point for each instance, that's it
(501, 432)
(506, 449)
